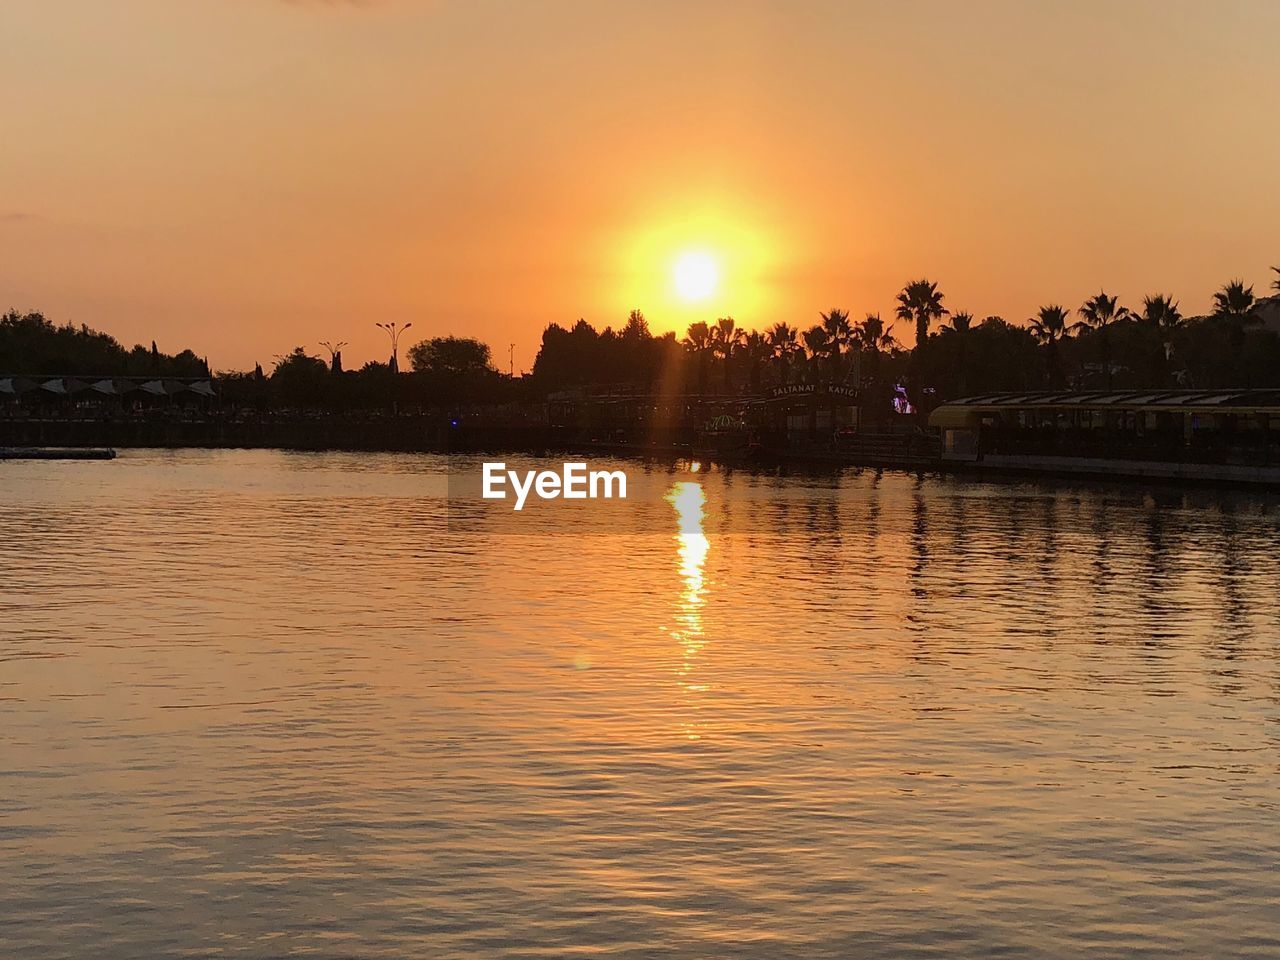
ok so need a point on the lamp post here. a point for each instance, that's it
(393, 331)
(335, 354)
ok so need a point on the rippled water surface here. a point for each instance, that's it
(261, 704)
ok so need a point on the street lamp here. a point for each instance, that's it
(394, 333)
(335, 354)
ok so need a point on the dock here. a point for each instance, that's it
(57, 453)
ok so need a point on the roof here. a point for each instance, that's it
(82, 386)
(961, 412)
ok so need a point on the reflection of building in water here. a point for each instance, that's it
(688, 498)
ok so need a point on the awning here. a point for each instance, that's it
(955, 416)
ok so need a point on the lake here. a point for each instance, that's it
(267, 704)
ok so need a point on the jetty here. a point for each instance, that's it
(56, 453)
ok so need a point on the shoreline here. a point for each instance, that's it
(1120, 473)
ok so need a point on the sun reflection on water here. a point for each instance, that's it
(688, 499)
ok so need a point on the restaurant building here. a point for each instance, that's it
(798, 414)
(1217, 435)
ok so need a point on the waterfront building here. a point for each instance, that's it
(1228, 435)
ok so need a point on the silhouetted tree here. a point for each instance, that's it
(1098, 313)
(1049, 326)
(872, 341)
(920, 302)
(726, 337)
(1234, 302)
(299, 379)
(698, 342)
(1160, 315)
(755, 351)
(1161, 311)
(785, 344)
(450, 356)
(637, 328)
(1001, 356)
(817, 343)
(1233, 306)
(582, 356)
(835, 324)
(31, 344)
(959, 329)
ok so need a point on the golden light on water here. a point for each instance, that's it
(688, 499)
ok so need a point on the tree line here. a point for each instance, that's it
(1102, 344)
(31, 344)
(443, 371)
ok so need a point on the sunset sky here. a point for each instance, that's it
(242, 176)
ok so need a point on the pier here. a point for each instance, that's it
(56, 453)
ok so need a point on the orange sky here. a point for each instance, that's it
(241, 176)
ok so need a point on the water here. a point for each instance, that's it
(259, 704)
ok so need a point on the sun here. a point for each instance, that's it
(696, 276)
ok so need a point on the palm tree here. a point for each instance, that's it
(835, 322)
(961, 322)
(1049, 326)
(1275, 284)
(920, 302)
(1160, 312)
(1234, 302)
(1233, 305)
(726, 337)
(698, 342)
(871, 338)
(726, 330)
(755, 350)
(698, 338)
(872, 335)
(818, 345)
(1098, 313)
(785, 344)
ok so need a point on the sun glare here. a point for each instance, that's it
(697, 260)
(696, 276)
